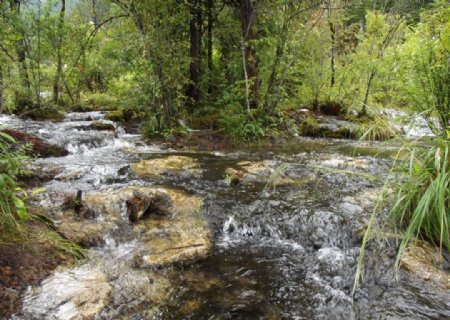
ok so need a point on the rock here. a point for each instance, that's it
(39, 147)
(102, 126)
(183, 236)
(170, 241)
(422, 260)
(87, 233)
(261, 171)
(120, 115)
(173, 230)
(328, 127)
(351, 208)
(80, 293)
(180, 166)
(141, 205)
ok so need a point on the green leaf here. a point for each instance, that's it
(38, 190)
(7, 137)
(20, 207)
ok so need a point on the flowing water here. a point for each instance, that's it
(279, 252)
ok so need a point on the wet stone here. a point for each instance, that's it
(142, 205)
(76, 294)
(39, 147)
(423, 261)
(178, 166)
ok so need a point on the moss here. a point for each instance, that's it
(120, 115)
(102, 126)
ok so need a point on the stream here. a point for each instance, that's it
(285, 234)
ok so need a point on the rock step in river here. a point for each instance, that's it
(251, 234)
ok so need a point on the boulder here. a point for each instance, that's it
(39, 147)
(328, 127)
(180, 166)
(422, 260)
(79, 293)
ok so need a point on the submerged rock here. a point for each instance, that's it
(86, 233)
(79, 293)
(261, 171)
(102, 126)
(180, 166)
(422, 260)
(39, 147)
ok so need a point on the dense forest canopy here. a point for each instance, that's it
(227, 63)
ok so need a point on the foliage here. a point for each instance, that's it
(422, 200)
(421, 197)
(242, 128)
(13, 213)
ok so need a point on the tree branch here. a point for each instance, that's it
(7, 53)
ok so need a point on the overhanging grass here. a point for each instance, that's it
(422, 202)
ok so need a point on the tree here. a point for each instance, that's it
(195, 31)
(60, 35)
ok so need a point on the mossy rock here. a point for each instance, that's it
(180, 166)
(102, 126)
(120, 115)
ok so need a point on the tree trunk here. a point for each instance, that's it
(366, 96)
(250, 35)
(22, 98)
(193, 89)
(210, 5)
(333, 44)
(1, 89)
(333, 49)
(58, 53)
(94, 14)
(271, 101)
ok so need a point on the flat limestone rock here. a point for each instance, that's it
(180, 166)
(175, 233)
(181, 237)
(421, 260)
(75, 294)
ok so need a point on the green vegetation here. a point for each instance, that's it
(12, 208)
(421, 199)
(17, 225)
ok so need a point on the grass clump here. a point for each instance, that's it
(376, 129)
(422, 200)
